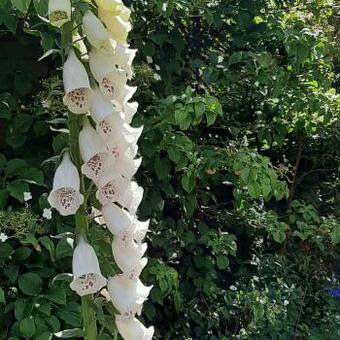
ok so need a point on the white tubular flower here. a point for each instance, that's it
(76, 84)
(59, 12)
(123, 58)
(137, 269)
(65, 195)
(112, 81)
(110, 125)
(127, 194)
(126, 166)
(129, 110)
(117, 220)
(93, 152)
(87, 277)
(125, 13)
(133, 329)
(97, 35)
(127, 253)
(141, 229)
(114, 6)
(118, 27)
(127, 295)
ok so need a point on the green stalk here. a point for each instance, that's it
(82, 225)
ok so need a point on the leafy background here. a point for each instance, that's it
(240, 105)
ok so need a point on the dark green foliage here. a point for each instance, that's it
(240, 104)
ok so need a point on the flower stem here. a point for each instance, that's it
(82, 226)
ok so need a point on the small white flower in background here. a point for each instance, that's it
(59, 12)
(117, 26)
(27, 196)
(3, 237)
(76, 84)
(157, 77)
(47, 213)
(87, 277)
(133, 329)
(93, 152)
(97, 35)
(127, 295)
(65, 195)
(46, 104)
(127, 253)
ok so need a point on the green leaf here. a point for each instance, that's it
(15, 166)
(49, 245)
(33, 175)
(17, 189)
(5, 250)
(2, 296)
(56, 294)
(222, 262)
(3, 197)
(174, 154)
(5, 111)
(27, 326)
(41, 7)
(188, 181)
(30, 283)
(21, 5)
(22, 309)
(162, 168)
(63, 249)
(22, 253)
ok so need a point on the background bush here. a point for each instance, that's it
(240, 105)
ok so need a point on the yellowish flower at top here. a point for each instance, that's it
(110, 5)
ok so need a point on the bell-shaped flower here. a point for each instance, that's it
(65, 195)
(109, 190)
(133, 329)
(127, 194)
(124, 57)
(140, 230)
(97, 34)
(125, 165)
(117, 26)
(93, 152)
(118, 220)
(76, 84)
(132, 198)
(127, 253)
(128, 111)
(111, 80)
(87, 277)
(110, 125)
(114, 6)
(127, 295)
(59, 12)
(135, 272)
